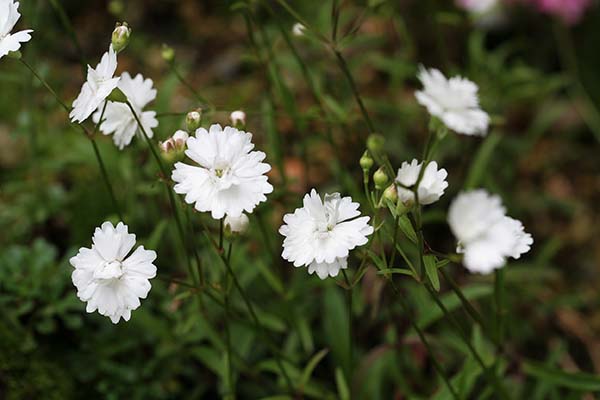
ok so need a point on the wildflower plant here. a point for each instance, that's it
(394, 249)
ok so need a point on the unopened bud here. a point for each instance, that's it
(168, 54)
(238, 119)
(375, 143)
(366, 162)
(391, 194)
(116, 7)
(236, 225)
(380, 178)
(298, 29)
(120, 36)
(193, 120)
(173, 147)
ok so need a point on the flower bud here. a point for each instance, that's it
(380, 178)
(391, 194)
(298, 29)
(236, 225)
(193, 120)
(120, 37)
(174, 146)
(375, 143)
(168, 54)
(238, 118)
(116, 7)
(366, 162)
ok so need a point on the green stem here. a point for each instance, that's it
(499, 298)
(350, 341)
(204, 102)
(66, 22)
(491, 375)
(164, 178)
(230, 390)
(344, 67)
(407, 310)
(87, 134)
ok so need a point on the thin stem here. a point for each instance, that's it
(184, 82)
(466, 303)
(335, 17)
(46, 85)
(422, 338)
(491, 375)
(87, 134)
(499, 299)
(344, 67)
(257, 322)
(350, 340)
(230, 391)
(164, 174)
(66, 22)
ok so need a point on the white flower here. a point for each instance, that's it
(454, 101)
(486, 236)
(118, 119)
(9, 15)
(107, 278)
(321, 234)
(477, 6)
(238, 117)
(432, 185)
(298, 29)
(98, 86)
(237, 224)
(228, 177)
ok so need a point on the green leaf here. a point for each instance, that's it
(402, 271)
(573, 380)
(482, 160)
(431, 270)
(341, 384)
(312, 364)
(406, 228)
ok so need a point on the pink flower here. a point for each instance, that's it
(570, 11)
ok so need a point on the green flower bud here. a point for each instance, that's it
(120, 36)
(375, 143)
(116, 7)
(380, 178)
(168, 54)
(366, 162)
(193, 119)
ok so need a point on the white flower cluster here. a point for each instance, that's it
(228, 178)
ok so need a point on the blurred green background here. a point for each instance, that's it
(538, 79)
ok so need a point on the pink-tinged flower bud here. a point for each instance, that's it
(120, 36)
(174, 146)
(238, 117)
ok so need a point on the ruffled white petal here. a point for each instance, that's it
(107, 279)
(98, 86)
(228, 178)
(321, 234)
(486, 236)
(432, 185)
(454, 101)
